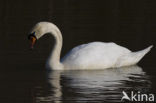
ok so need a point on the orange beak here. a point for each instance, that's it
(33, 41)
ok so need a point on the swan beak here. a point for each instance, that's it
(32, 40)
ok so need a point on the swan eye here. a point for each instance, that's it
(31, 35)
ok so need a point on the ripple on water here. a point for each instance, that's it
(94, 86)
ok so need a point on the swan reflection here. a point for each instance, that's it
(99, 85)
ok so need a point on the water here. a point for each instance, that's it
(23, 76)
(39, 86)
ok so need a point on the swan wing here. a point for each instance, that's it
(93, 55)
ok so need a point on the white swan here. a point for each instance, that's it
(95, 55)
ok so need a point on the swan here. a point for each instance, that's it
(94, 55)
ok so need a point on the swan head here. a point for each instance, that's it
(39, 30)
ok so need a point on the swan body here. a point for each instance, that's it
(99, 55)
(94, 55)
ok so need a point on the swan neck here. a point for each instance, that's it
(54, 59)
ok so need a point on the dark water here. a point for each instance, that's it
(23, 76)
(38, 86)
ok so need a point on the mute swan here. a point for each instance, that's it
(94, 55)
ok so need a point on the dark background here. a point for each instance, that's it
(130, 23)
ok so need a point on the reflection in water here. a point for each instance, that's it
(100, 85)
(51, 92)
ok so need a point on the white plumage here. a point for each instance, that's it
(95, 55)
(100, 55)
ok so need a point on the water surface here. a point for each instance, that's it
(39, 86)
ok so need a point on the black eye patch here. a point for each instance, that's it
(31, 35)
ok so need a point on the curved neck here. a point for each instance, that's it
(54, 59)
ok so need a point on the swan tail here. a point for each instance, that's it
(140, 54)
(133, 57)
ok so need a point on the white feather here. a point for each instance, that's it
(95, 55)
